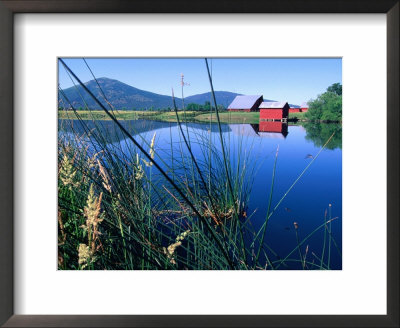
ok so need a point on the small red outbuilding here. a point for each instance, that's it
(294, 109)
(304, 107)
(274, 110)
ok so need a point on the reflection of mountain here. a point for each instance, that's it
(319, 133)
(109, 129)
(206, 126)
(112, 133)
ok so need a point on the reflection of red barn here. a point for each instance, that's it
(271, 129)
(294, 109)
(304, 107)
(271, 126)
(245, 104)
(274, 110)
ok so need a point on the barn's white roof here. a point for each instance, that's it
(273, 104)
(243, 102)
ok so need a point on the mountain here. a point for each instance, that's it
(120, 95)
(223, 98)
(124, 96)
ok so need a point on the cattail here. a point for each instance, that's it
(152, 146)
(305, 256)
(84, 255)
(93, 219)
(104, 176)
(67, 172)
(182, 236)
(91, 161)
(152, 152)
(170, 250)
(139, 169)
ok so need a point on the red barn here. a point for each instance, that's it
(274, 110)
(304, 107)
(245, 104)
(294, 109)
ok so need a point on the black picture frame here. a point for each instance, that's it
(10, 7)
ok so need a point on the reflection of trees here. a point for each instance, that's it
(109, 130)
(319, 133)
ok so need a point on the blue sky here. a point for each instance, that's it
(291, 79)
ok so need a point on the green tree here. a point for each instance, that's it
(192, 106)
(335, 88)
(327, 106)
(207, 105)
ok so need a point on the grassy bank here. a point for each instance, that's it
(127, 115)
(231, 117)
(298, 116)
(192, 116)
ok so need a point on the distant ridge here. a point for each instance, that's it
(119, 94)
(124, 96)
(224, 98)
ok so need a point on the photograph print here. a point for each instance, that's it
(199, 163)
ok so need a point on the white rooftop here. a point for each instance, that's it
(244, 102)
(273, 104)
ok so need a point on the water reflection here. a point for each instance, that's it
(318, 133)
(307, 201)
(271, 129)
(134, 127)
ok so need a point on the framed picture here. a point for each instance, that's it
(183, 171)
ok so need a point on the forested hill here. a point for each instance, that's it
(124, 96)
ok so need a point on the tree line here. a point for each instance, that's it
(191, 106)
(327, 106)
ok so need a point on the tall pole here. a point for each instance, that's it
(182, 84)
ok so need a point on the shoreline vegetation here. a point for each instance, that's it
(185, 116)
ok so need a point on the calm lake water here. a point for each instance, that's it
(305, 204)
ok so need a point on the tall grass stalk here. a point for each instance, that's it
(268, 209)
(225, 161)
